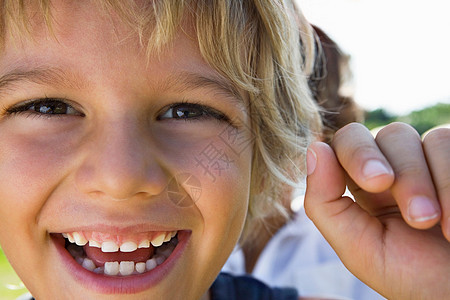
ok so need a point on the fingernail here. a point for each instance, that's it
(374, 168)
(311, 161)
(421, 209)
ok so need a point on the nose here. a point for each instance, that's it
(120, 163)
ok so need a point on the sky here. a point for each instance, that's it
(400, 49)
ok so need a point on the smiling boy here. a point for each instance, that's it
(93, 139)
(105, 103)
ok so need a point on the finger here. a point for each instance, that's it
(380, 254)
(436, 146)
(413, 188)
(341, 221)
(376, 204)
(360, 157)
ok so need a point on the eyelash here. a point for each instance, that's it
(206, 112)
(29, 108)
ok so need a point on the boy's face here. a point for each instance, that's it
(109, 150)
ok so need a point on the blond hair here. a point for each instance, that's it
(264, 47)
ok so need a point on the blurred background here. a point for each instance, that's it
(400, 58)
(400, 55)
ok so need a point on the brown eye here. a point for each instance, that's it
(186, 111)
(54, 108)
(191, 111)
(46, 107)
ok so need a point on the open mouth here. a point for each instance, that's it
(120, 256)
(125, 263)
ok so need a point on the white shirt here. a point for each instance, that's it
(298, 256)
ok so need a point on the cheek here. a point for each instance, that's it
(28, 171)
(220, 162)
(225, 178)
(223, 207)
(225, 166)
(30, 167)
(220, 175)
(219, 158)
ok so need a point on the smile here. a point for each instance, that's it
(120, 264)
(120, 255)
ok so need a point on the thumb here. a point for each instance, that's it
(345, 225)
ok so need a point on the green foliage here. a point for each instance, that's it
(429, 117)
(377, 118)
(422, 120)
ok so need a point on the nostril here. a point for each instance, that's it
(118, 162)
(118, 182)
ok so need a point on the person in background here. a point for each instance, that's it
(331, 86)
(294, 253)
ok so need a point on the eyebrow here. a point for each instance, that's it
(191, 81)
(43, 76)
(180, 82)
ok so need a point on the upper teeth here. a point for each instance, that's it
(158, 240)
(112, 246)
(95, 244)
(128, 247)
(80, 240)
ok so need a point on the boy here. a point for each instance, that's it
(139, 136)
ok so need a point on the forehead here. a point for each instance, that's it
(70, 24)
(85, 38)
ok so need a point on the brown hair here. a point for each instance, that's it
(331, 75)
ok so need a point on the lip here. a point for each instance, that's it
(140, 228)
(131, 284)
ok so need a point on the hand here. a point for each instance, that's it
(395, 237)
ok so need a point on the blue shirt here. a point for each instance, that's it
(229, 287)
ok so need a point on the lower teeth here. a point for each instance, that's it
(123, 268)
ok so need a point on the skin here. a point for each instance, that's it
(401, 254)
(110, 165)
